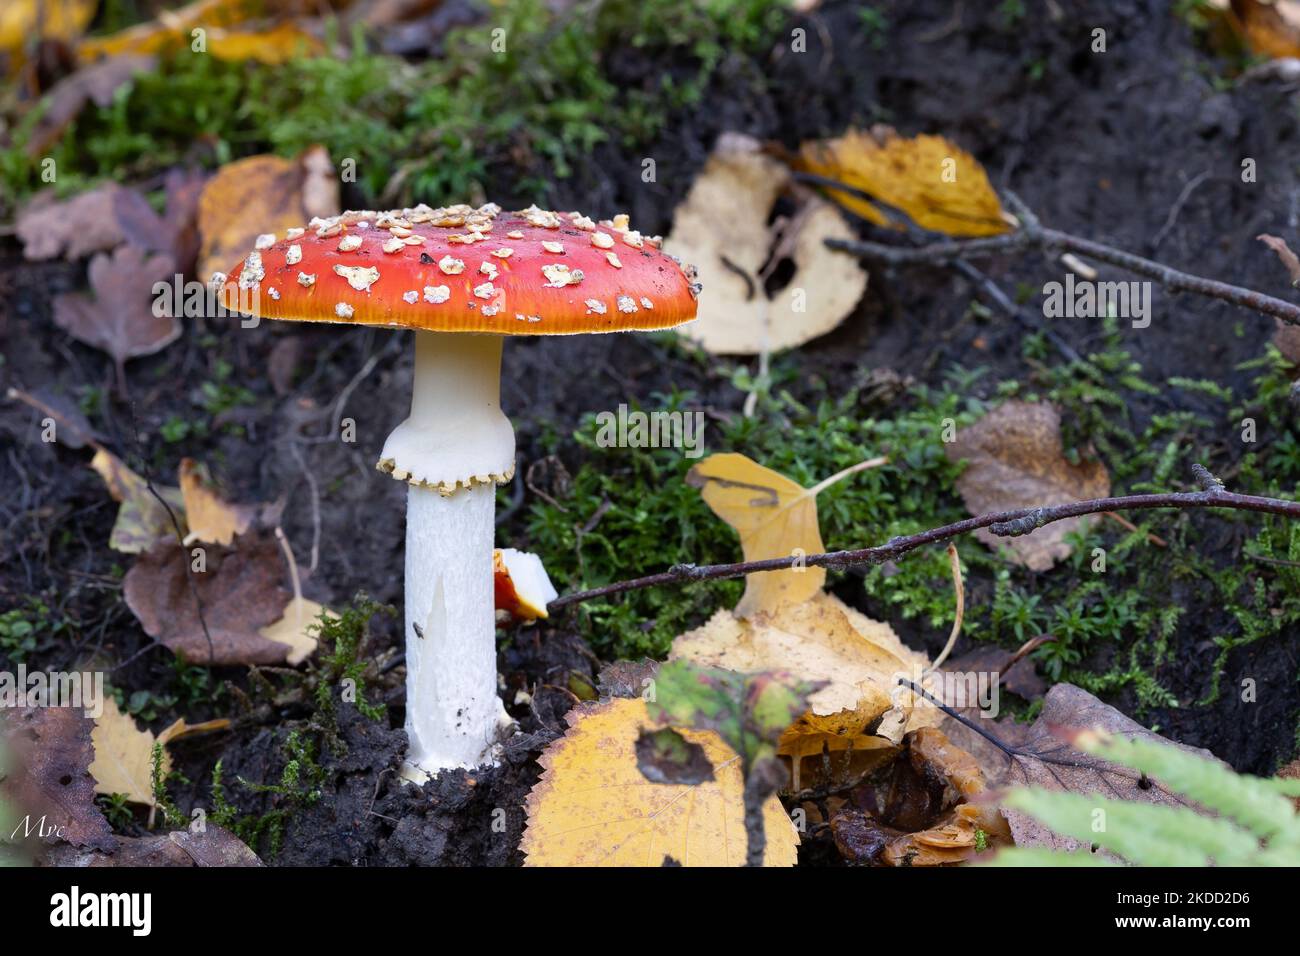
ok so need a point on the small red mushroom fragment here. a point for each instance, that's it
(522, 586)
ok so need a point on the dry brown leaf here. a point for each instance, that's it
(821, 639)
(1047, 760)
(86, 223)
(258, 195)
(1286, 337)
(722, 227)
(211, 847)
(938, 185)
(121, 319)
(1012, 669)
(50, 751)
(592, 805)
(1284, 254)
(71, 427)
(142, 519)
(1268, 29)
(773, 516)
(175, 232)
(211, 518)
(1017, 461)
(239, 590)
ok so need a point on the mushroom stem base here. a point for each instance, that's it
(453, 714)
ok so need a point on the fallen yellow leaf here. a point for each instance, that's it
(937, 184)
(174, 28)
(821, 639)
(23, 20)
(141, 519)
(725, 228)
(273, 45)
(211, 518)
(124, 756)
(594, 807)
(124, 753)
(261, 194)
(774, 517)
(292, 629)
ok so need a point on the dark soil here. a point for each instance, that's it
(1101, 145)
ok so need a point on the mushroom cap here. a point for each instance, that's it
(461, 269)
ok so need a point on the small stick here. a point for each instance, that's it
(1125, 523)
(1032, 235)
(293, 574)
(825, 483)
(961, 607)
(1041, 238)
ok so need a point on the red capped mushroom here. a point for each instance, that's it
(461, 278)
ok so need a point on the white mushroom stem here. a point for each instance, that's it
(453, 449)
(452, 709)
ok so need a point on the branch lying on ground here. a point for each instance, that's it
(1004, 523)
(1032, 235)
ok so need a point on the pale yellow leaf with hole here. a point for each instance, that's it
(142, 519)
(937, 184)
(775, 518)
(211, 518)
(723, 227)
(593, 807)
(293, 629)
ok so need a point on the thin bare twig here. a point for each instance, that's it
(147, 472)
(1003, 523)
(315, 503)
(1033, 236)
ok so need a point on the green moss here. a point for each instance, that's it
(631, 513)
(432, 130)
(337, 667)
(299, 786)
(338, 662)
(30, 628)
(171, 813)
